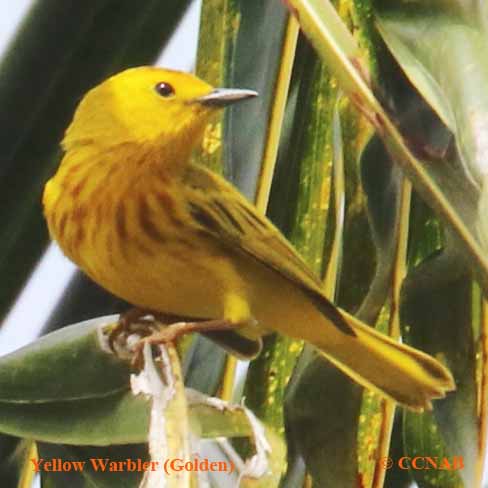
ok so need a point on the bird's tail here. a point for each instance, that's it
(395, 370)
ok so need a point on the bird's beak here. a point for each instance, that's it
(221, 97)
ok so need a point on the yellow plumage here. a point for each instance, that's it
(136, 215)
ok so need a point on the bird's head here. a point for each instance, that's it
(149, 107)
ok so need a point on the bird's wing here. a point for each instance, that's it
(221, 211)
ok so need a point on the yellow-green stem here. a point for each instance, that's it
(399, 272)
(27, 472)
(277, 114)
(482, 392)
(269, 156)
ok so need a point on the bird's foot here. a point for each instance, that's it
(133, 321)
(139, 326)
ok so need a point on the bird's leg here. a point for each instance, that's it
(172, 332)
(133, 322)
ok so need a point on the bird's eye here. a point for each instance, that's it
(164, 89)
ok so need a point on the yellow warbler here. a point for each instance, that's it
(167, 235)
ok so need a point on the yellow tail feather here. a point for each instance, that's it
(395, 370)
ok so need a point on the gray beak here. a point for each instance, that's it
(221, 97)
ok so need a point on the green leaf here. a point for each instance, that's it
(436, 314)
(195, 366)
(381, 183)
(416, 71)
(65, 388)
(322, 407)
(125, 478)
(395, 477)
(421, 436)
(337, 47)
(12, 463)
(67, 364)
(119, 418)
(263, 49)
(461, 100)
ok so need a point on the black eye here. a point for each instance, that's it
(164, 89)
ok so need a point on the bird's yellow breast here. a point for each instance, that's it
(133, 239)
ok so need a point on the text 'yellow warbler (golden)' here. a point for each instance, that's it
(167, 235)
